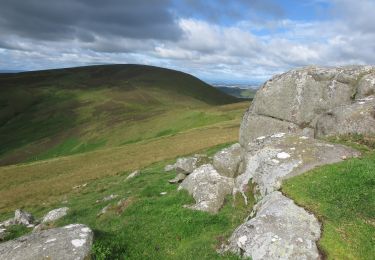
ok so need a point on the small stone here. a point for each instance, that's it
(133, 174)
(163, 193)
(278, 135)
(169, 168)
(55, 214)
(23, 218)
(179, 178)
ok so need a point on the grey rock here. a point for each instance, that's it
(23, 218)
(133, 174)
(179, 178)
(187, 165)
(280, 230)
(103, 210)
(208, 188)
(169, 167)
(366, 86)
(227, 161)
(293, 101)
(3, 233)
(271, 159)
(72, 242)
(7, 223)
(55, 214)
(357, 118)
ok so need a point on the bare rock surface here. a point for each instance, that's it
(227, 161)
(179, 178)
(356, 118)
(280, 230)
(293, 101)
(208, 188)
(271, 159)
(55, 214)
(22, 217)
(72, 242)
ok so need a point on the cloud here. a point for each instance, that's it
(238, 40)
(55, 20)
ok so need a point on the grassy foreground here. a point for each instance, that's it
(147, 224)
(342, 196)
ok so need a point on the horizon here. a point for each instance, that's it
(234, 42)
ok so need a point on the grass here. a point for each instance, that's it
(54, 113)
(342, 196)
(148, 225)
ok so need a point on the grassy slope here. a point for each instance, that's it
(147, 225)
(59, 112)
(343, 197)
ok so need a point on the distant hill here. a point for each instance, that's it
(245, 93)
(50, 113)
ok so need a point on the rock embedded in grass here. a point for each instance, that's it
(179, 178)
(55, 214)
(280, 230)
(208, 188)
(133, 174)
(72, 242)
(23, 218)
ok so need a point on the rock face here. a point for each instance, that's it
(356, 118)
(55, 214)
(293, 101)
(280, 230)
(208, 188)
(72, 242)
(271, 159)
(227, 161)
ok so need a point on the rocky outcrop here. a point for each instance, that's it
(72, 242)
(208, 188)
(292, 102)
(356, 118)
(280, 230)
(227, 161)
(271, 159)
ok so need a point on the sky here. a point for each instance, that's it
(244, 41)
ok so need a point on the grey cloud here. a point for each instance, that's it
(55, 20)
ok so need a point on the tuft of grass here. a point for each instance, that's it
(342, 196)
(15, 231)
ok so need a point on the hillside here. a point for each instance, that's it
(50, 113)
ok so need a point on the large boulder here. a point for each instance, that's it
(292, 102)
(72, 242)
(356, 118)
(227, 161)
(271, 159)
(280, 230)
(208, 188)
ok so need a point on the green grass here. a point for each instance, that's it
(53, 113)
(342, 196)
(149, 225)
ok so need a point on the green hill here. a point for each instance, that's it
(50, 113)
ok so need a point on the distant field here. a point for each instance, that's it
(54, 113)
